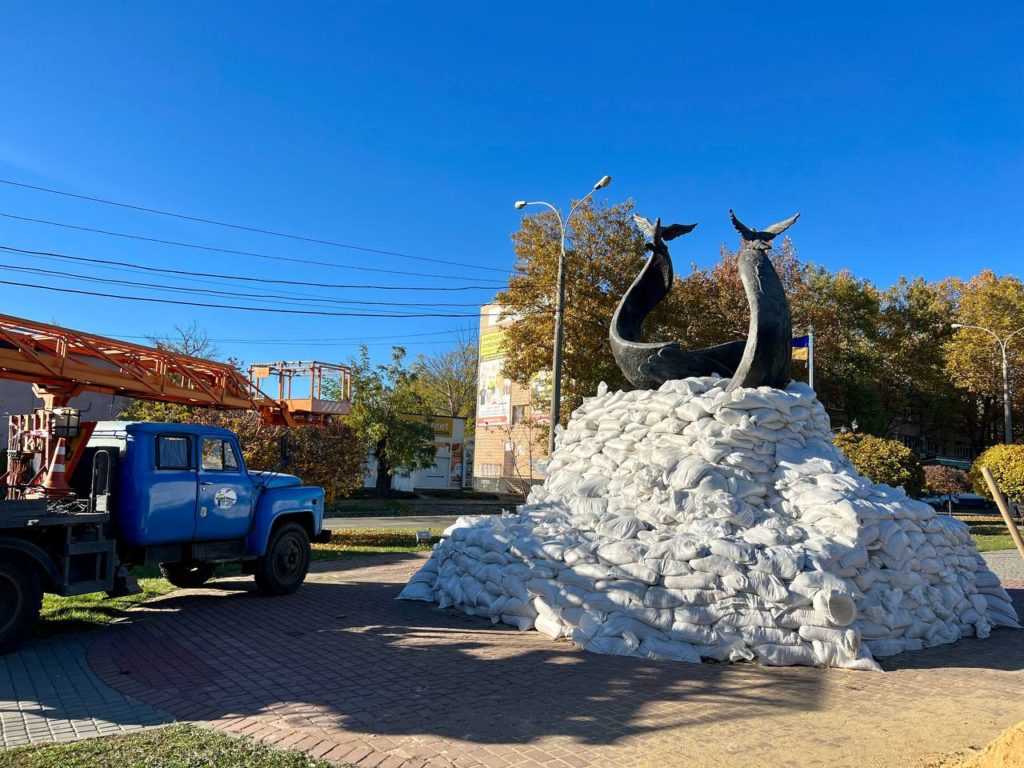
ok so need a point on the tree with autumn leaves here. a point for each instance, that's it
(885, 356)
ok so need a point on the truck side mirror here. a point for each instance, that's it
(285, 451)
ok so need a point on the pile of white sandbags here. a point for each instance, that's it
(691, 522)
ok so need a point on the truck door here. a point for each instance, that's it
(225, 492)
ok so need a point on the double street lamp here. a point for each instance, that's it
(556, 362)
(1007, 405)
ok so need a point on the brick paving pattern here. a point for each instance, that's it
(1008, 564)
(343, 671)
(49, 693)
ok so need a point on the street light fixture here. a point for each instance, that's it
(556, 361)
(1007, 403)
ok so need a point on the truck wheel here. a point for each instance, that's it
(283, 568)
(187, 575)
(21, 597)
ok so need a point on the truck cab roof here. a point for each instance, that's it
(157, 427)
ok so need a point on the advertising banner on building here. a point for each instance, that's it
(494, 395)
(492, 344)
(494, 391)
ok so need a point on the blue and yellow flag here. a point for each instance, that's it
(800, 347)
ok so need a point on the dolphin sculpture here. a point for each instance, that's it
(762, 359)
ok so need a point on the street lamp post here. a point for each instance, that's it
(1007, 404)
(556, 360)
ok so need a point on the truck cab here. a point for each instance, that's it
(183, 498)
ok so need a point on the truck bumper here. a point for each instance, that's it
(323, 537)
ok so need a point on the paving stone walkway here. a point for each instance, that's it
(342, 670)
(49, 693)
(1007, 564)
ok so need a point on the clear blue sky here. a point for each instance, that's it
(896, 128)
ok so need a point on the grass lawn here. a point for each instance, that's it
(371, 541)
(84, 612)
(176, 746)
(988, 531)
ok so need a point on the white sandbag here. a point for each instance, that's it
(669, 650)
(417, 590)
(838, 607)
(786, 655)
(728, 518)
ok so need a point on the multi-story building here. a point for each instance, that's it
(512, 420)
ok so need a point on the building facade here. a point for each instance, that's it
(512, 420)
(450, 469)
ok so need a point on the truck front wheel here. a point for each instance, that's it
(283, 567)
(187, 575)
(21, 597)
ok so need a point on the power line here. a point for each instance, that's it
(450, 332)
(244, 278)
(236, 252)
(270, 310)
(215, 249)
(271, 298)
(244, 228)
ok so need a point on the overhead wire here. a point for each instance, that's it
(255, 254)
(449, 332)
(241, 278)
(244, 228)
(206, 305)
(283, 298)
(262, 297)
(271, 310)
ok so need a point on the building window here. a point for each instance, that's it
(518, 414)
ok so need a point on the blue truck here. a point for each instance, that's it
(178, 496)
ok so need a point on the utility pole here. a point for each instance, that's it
(556, 358)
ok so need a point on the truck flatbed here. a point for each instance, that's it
(38, 514)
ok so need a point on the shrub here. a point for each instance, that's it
(882, 461)
(1006, 463)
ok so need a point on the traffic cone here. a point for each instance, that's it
(56, 480)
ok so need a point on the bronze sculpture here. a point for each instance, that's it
(762, 359)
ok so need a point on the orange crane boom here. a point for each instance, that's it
(63, 363)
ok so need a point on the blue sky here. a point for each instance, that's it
(412, 127)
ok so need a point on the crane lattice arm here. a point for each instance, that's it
(63, 363)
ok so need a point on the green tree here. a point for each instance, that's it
(972, 357)
(882, 461)
(387, 414)
(912, 384)
(447, 381)
(1006, 463)
(945, 481)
